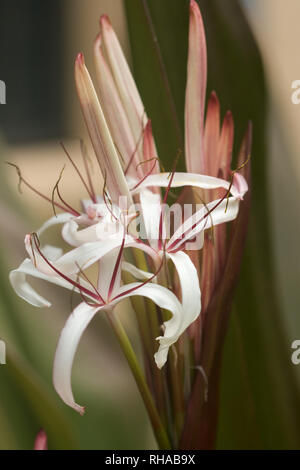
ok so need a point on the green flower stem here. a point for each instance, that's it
(158, 428)
(177, 393)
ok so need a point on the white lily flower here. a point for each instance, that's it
(66, 271)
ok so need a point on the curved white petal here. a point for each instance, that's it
(24, 290)
(56, 220)
(190, 288)
(75, 237)
(226, 211)
(164, 298)
(183, 179)
(87, 254)
(19, 283)
(66, 349)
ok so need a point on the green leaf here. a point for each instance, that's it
(159, 60)
(28, 406)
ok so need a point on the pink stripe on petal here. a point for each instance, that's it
(225, 146)
(212, 134)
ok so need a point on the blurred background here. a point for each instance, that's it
(38, 44)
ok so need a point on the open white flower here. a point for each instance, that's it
(67, 271)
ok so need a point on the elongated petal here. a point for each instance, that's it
(226, 145)
(212, 134)
(79, 258)
(115, 113)
(164, 298)
(75, 237)
(100, 136)
(24, 290)
(86, 255)
(222, 212)
(195, 93)
(190, 289)
(90, 253)
(183, 179)
(66, 349)
(124, 81)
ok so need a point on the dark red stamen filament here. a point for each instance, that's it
(69, 208)
(160, 232)
(117, 265)
(89, 282)
(144, 177)
(90, 193)
(46, 198)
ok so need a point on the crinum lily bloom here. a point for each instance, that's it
(158, 247)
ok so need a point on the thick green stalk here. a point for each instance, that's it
(177, 394)
(158, 428)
